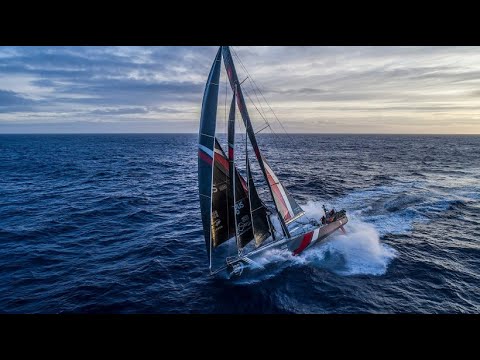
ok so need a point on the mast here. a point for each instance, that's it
(247, 166)
(234, 83)
(231, 161)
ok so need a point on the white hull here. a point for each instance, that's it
(296, 245)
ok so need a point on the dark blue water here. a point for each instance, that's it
(111, 223)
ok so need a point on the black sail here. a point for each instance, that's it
(242, 212)
(243, 220)
(261, 226)
(222, 212)
(223, 221)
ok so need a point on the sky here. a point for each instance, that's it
(398, 90)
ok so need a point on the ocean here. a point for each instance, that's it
(111, 224)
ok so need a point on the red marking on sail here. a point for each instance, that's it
(285, 214)
(307, 239)
(257, 152)
(205, 157)
(230, 153)
(244, 184)
(222, 161)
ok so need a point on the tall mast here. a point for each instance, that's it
(231, 169)
(235, 84)
(247, 167)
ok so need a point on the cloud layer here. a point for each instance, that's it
(311, 89)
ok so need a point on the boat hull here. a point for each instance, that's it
(296, 245)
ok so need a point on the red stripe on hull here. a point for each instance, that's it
(307, 239)
(205, 157)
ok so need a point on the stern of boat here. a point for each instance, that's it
(298, 244)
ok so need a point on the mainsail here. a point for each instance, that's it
(286, 206)
(206, 145)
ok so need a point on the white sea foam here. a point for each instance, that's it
(358, 252)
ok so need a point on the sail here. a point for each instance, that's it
(261, 226)
(286, 204)
(231, 164)
(222, 211)
(244, 218)
(208, 119)
(223, 221)
(286, 207)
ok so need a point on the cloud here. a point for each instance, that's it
(347, 88)
(11, 101)
(8, 98)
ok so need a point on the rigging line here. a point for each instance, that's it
(263, 128)
(253, 81)
(263, 115)
(255, 84)
(249, 79)
(266, 121)
(246, 91)
(256, 95)
(259, 102)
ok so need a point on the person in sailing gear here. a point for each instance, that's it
(324, 217)
(329, 216)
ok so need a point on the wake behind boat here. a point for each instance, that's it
(238, 225)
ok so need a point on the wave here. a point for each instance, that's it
(359, 252)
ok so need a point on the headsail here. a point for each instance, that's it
(286, 208)
(261, 225)
(206, 145)
(223, 227)
(223, 210)
(255, 213)
(286, 204)
(241, 202)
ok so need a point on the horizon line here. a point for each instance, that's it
(194, 133)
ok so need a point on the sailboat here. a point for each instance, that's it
(239, 227)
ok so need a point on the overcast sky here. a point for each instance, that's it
(312, 89)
